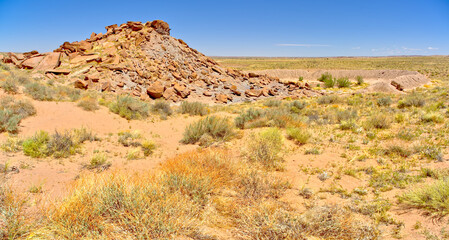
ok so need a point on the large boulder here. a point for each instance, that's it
(51, 61)
(161, 27)
(156, 90)
(33, 62)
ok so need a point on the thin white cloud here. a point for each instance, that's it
(301, 45)
(411, 49)
(432, 48)
(356, 48)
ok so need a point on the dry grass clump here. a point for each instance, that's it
(12, 111)
(299, 135)
(208, 130)
(412, 100)
(10, 86)
(134, 139)
(433, 198)
(129, 108)
(14, 222)
(271, 221)
(379, 121)
(88, 104)
(162, 108)
(265, 148)
(39, 91)
(280, 117)
(194, 108)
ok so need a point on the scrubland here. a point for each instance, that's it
(338, 166)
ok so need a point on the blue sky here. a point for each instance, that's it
(298, 28)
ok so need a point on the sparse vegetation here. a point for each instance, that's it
(300, 136)
(194, 108)
(265, 148)
(12, 111)
(129, 108)
(162, 108)
(88, 104)
(343, 82)
(214, 127)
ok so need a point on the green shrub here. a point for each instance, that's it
(39, 91)
(380, 121)
(247, 116)
(194, 108)
(12, 144)
(343, 82)
(129, 108)
(412, 100)
(328, 99)
(301, 78)
(58, 145)
(162, 107)
(325, 77)
(433, 198)
(12, 112)
(432, 117)
(348, 125)
(329, 83)
(359, 80)
(98, 160)
(296, 106)
(10, 86)
(299, 135)
(272, 103)
(148, 147)
(36, 146)
(129, 139)
(431, 152)
(384, 102)
(265, 148)
(218, 128)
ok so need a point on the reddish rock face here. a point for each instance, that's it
(156, 90)
(161, 27)
(253, 93)
(222, 98)
(32, 62)
(51, 61)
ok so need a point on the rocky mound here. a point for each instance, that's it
(145, 61)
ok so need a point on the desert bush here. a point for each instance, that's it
(359, 80)
(300, 78)
(194, 108)
(129, 139)
(10, 86)
(98, 160)
(343, 82)
(88, 104)
(299, 135)
(218, 128)
(406, 134)
(40, 92)
(58, 145)
(247, 116)
(272, 103)
(16, 224)
(11, 144)
(325, 76)
(296, 106)
(12, 112)
(265, 148)
(412, 100)
(330, 83)
(431, 152)
(329, 99)
(346, 115)
(129, 107)
(254, 185)
(432, 198)
(36, 146)
(380, 121)
(384, 101)
(63, 93)
(148, 147)
(162, 108)
(432, 117)
(348, 125)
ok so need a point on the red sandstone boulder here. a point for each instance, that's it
(51, 61)
(156, 90)
(161, 27)
(32, 62)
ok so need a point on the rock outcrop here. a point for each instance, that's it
(145, 61)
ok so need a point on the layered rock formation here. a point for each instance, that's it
(145, 61)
